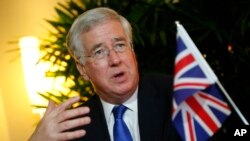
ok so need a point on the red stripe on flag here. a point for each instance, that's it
(222, 104)
(191, 84)
(190, 127)
(198, 109)
(184, 62)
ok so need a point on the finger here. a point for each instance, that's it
(67, 103)
(51, 106)
(72, 135)
(74, 123)
(72, 113)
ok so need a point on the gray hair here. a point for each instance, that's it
(88, 20)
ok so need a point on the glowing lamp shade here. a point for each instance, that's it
(33, 72)
(29, 42)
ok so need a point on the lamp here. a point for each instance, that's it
(34, 72)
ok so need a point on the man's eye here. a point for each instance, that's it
(99, 52)
(119, 46)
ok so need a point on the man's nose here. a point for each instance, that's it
(113, 58)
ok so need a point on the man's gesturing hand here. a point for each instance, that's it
(58, 120)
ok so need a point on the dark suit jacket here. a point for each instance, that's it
(154, 107)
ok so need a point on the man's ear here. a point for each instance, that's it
(82, 70)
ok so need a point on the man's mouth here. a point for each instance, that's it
(119, 77)
(119, 74)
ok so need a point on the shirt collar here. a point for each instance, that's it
(131, 104)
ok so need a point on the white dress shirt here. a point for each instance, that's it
(130, 116)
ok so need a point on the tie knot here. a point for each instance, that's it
(118, 111)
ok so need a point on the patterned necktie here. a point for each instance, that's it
(120, 131)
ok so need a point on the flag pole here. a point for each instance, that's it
(212, 74)
(232, 103)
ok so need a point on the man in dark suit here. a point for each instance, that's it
(154, 112)
(100, 41)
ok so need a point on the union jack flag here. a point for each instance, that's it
(199, 109)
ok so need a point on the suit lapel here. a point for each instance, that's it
(150, 112)
(97, 130)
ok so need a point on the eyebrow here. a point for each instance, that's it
(119, 39)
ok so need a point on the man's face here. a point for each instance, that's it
(115, 77)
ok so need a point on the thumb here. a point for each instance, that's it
(51, 106)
